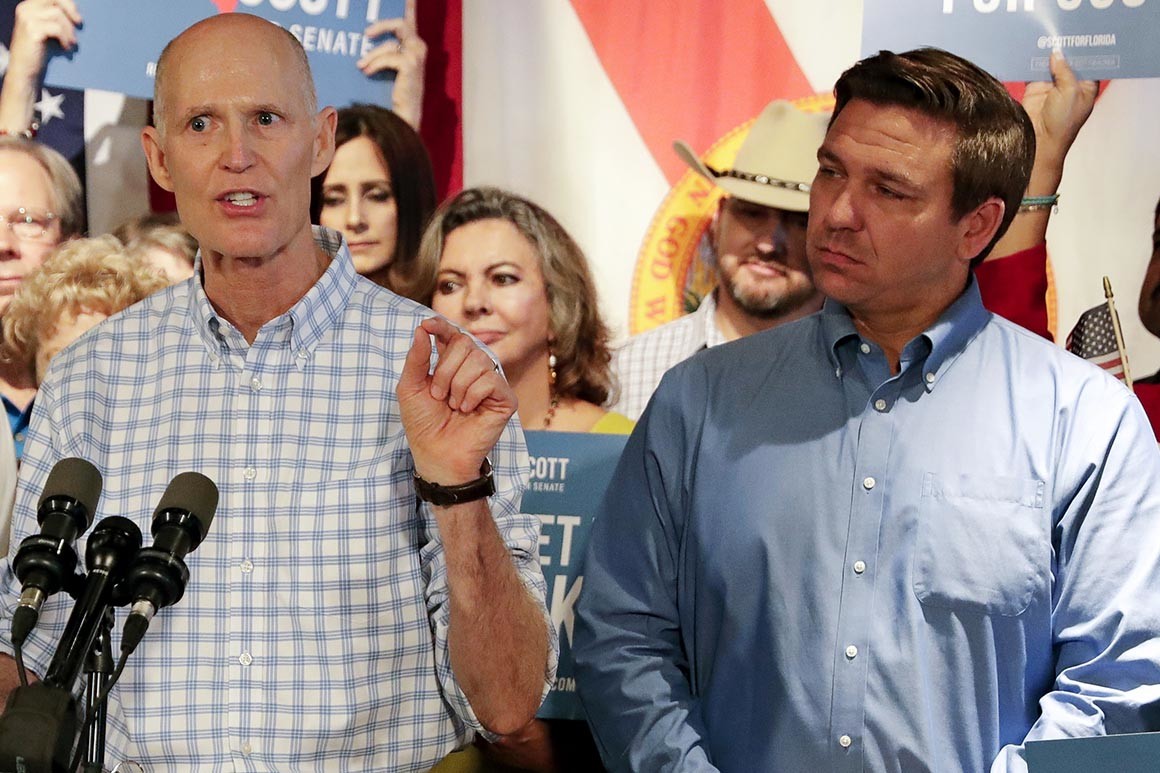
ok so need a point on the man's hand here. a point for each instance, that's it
(406, 54)
(454, 416)
(1058, 110)
(36, 22)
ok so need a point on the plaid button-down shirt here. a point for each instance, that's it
(313, 633)
(640, 361)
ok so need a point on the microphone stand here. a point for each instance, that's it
(98, 671)
(86, 638)
(38, 731)
(39, 728)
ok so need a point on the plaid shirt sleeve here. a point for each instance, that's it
(520, 533)
(641, 361)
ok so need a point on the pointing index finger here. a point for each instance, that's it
(443, 330)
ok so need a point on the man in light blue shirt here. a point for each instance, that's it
(900, 534)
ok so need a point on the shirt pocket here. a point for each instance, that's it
(983, 544)
(354, 548)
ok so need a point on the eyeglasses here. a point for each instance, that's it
(28, 224)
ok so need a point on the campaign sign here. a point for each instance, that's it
(1013, 39)
(570, 473)
(119, 42)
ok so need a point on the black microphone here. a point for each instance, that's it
(108, 552)
(46, 562)
(158, 575)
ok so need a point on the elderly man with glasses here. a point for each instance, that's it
(40, 206)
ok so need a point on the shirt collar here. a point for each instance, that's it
(945, 339)
(708, 313)
(309, 319)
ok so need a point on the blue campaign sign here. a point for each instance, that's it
(1012, 39)
(570, 473)
(118, 45)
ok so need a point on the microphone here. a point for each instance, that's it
(110, 548)
(158, 575)
(46, 562)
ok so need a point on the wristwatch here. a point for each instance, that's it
(444, 496)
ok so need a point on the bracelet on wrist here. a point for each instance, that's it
(28, 134)
(445, 496)
(1040, 203)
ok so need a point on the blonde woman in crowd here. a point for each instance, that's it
(79, 285)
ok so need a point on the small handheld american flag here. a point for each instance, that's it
(1097, 338)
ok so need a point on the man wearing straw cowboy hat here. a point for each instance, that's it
(758, 236)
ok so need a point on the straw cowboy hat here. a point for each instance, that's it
(777, 161)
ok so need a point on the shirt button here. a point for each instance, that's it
(247, 566)
(245, 659)
(930, 378)
(868, 483)
(865, 347)
(19, 436)
(246, 748)
(851, 652)
(249, 473)
(302, 355)
(859, 567)
(255, 383)
(880, 404)
(844, 741)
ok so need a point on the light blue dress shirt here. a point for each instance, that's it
(313, 633)
(807, 564)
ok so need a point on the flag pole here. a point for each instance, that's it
(1118, 332)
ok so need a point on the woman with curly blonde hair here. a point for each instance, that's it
(80, 284)
(507, 272)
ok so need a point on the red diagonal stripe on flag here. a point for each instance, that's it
(1112, 363)
(691, 71)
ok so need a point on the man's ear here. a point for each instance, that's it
(979, 226)
(326, 122)
(155, 155)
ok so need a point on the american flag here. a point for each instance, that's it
(1094, 339)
